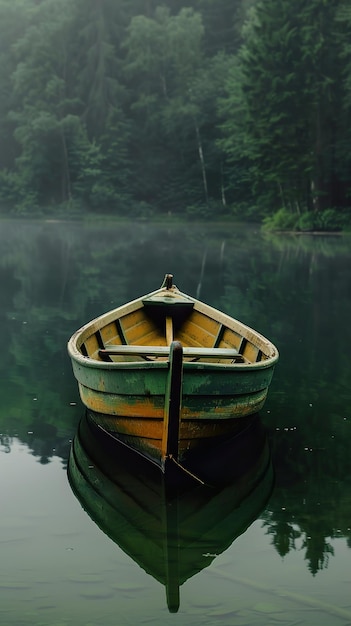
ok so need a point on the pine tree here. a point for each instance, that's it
(291, 94)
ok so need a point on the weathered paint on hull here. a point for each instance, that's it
(145, 434)
(141, 392)
(196, 438)
(149, 379)
(219, 407)
(212, 402)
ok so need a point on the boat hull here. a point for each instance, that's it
(140, 390)
(122, 363)
(145, 435)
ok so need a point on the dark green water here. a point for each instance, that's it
(293, 564)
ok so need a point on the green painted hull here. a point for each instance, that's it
(131, 404)
(136, 390)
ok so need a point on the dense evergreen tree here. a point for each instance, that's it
(290, 96)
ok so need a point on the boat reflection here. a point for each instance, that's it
(172, 530)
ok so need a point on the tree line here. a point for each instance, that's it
(211, 108)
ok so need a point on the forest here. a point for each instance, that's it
(199, 109)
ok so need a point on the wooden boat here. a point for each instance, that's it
(153, 370)
(171, 533)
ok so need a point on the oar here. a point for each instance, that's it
(173, 401)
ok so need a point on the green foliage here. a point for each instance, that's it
(206, 212)
(284, 112)
(307, 222)
(243, 104)
(281, 220)
(164, 57)
(331, 220)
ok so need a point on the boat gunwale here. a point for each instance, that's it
(94, 325)
(87, 361)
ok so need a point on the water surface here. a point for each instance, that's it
(292, 564)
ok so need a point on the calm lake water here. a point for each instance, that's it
(292, 565)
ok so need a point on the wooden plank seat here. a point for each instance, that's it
(163, 351)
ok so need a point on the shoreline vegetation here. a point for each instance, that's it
(167, 221)
(233, 110)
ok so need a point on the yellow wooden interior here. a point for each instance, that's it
(197, 330)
